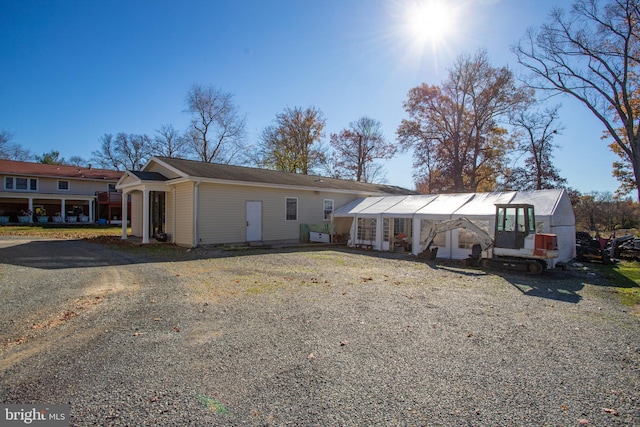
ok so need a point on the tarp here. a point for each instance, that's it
(410, 205)
(445, 205)
(382, 206)
(354, 207)
(483, 204)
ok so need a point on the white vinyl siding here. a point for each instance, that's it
(184, 214)
(222, 212)
(136, 214)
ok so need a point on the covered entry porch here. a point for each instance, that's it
(148, 206)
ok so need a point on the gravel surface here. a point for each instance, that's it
(315, 336)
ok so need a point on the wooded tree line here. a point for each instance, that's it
(604, 213)
(480, 129)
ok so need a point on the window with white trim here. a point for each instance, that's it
(327, 209)
(63, 185)
(291, 208)
(20, 184)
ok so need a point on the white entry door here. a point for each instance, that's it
(254, 221)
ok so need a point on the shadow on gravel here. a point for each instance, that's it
(557, 286)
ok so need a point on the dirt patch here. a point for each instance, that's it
(79, 305)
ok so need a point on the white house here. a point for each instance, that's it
(196, 203)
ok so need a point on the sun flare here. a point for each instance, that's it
(430, 20)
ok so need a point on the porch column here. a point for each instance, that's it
(63, 210)
(31, 209)
(145, 216)
(125, 215)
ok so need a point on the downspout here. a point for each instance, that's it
(196, 196)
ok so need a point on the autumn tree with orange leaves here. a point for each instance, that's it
(455, 129)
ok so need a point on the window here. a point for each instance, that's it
(291, 209)
(386, 222)
(366, 229)
(425, 226)
(63, 185)
(21, 184)
(327, 209)
(466, 239)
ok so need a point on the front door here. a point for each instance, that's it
(254, 221)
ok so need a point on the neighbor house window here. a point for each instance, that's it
(63, 185)
(327, 209)
(291, 209)
(24, 184)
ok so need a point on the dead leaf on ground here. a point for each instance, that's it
(610, 411)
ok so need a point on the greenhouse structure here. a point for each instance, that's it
(401, 223)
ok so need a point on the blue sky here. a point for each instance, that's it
(71, 71)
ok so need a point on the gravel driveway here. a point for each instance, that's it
(316, 336)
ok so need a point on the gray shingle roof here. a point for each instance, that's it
(197, 169)
(149, 176)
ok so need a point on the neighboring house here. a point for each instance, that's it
(57, 193)
(195, 203)
(377, 221)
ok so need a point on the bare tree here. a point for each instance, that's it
(11, 151)
(291, 143)
(592, 54)
(217, 129)
(124, 152)
(77, 161)
(168, 142)
(535, 139)
(358, 146)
